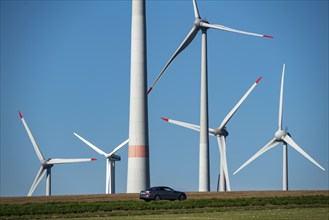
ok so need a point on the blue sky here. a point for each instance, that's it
(66, 66)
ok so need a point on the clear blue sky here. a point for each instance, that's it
(66, 66)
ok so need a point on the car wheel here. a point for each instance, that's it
(181, 197)
(157, 198)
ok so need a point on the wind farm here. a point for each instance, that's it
(202, 25)
(93, 75)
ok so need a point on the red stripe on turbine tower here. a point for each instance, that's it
(138, 151)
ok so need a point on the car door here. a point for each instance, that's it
(170, 193)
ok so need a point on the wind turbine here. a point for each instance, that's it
(220, 133)
(203, 25)
(110, 163)
(46, 165)
(284, 137)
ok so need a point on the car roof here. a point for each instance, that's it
(155, 187)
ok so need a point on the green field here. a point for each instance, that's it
(296, 213)
(290, 207)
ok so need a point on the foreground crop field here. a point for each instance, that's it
(213, 205)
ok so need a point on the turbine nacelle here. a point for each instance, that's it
(45, 164)
(220, 132)
(114, 157)
(280, 134)
(198, 23)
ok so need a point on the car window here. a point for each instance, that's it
(168, 189)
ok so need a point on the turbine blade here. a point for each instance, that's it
(183, 124)
(237, 106)
(293, 144)
(226, 174)
(196, 11)
(91, 145)
(281, 98)
(118, 148)
(188, 125)
(188, 39)
(78, 160)
(34, 143)
(223, 28)
(219, 147)
(268, 146)
(37, 180)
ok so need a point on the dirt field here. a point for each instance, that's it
(135, 196)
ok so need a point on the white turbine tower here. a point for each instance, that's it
(138, 175)
(284, 137)
(46, 165)
(203, 25)
(110, 163)
(220, 133)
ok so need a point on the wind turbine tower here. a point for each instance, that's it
(138, 177)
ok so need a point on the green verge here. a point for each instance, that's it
(141, 208)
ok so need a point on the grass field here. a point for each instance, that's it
(297, 213)
(229, 205)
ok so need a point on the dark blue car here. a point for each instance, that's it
(161, 193)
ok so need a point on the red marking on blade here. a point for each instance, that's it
(257, 81)
(93, 159)
(150, 89)
(165, 119)
(20, 115)
(267, 36)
